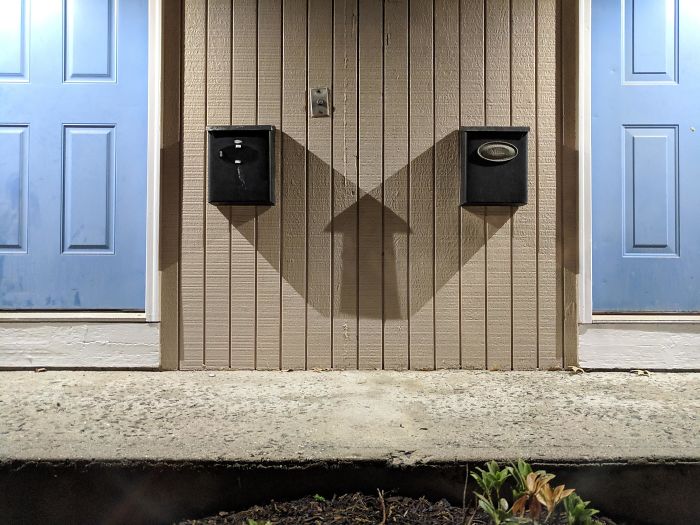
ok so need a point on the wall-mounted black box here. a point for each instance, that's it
(493, 166)
(241, 165)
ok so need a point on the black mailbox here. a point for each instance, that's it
(241, 164)
(494, 166)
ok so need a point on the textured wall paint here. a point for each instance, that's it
(366, 261)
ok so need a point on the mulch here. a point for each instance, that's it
(353, 509)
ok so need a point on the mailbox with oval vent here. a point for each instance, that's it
(493, 166)
(241, 165)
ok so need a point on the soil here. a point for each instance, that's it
(355, 509)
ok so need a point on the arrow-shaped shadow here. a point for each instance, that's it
(346, 224)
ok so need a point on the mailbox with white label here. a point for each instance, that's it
(241, 165)
(493, 166)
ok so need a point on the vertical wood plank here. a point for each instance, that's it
(447, 212)
(569, 20)
(320, 64)
(345, 185)
(548, 299)
(370, 274)
(268, 217)
(217, 234)
(421, 256)
(170, 154)
(395, 218)
(294, 184)
(193, 137)
(498, 230)
(243, 231)
(524, 222)
(473, 244)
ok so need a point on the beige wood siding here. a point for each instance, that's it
(367, 261)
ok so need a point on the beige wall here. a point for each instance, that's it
(367, 261)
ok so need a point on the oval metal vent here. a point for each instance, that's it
(497, 151)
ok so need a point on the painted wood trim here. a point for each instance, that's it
(345, 182)
(473, 222)
(569, 13)
(193, 186)
(649, 346)
(370, 192)
(319, 196)
(549, 297)
(395, 211)
(524, 221)
(294, 262)
(217, 218)
(447, 182)
(644, 318)
(155, 71)
(242, 277)
(170, 184)
(78, 344)
(421, 186)
(70, 316)
(268, 289)
(498, 218)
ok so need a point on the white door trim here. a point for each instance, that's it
(153, 192)
(585, 294)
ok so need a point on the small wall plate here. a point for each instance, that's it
(320, 102)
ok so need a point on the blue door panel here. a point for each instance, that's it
(650, 39)
(89, 41)
(646, 156)
(88, 189)
(651, 191)
(14, 39)
(13, 188)
(83, 116)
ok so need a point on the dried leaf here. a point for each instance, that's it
(641, 372)
(576, 370)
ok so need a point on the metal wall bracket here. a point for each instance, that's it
(320, 102)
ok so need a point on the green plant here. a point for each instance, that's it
(319, 498)
(532, 494)
(256, 522)
(578, 512)
(491, 480)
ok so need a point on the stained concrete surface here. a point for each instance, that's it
(402, 418)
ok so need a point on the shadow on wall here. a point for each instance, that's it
(346, 224)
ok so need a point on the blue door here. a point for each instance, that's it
(73, 144)
(646, 155)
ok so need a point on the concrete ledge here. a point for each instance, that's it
(403, 417)
(98, 446)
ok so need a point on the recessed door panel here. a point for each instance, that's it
(89, 46)
(88, 188)
(14, 37)
(651, 190)
(650, 40)
(13, 188)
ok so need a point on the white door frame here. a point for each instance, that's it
(152, 291)
(585, 294)
(155, 38)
